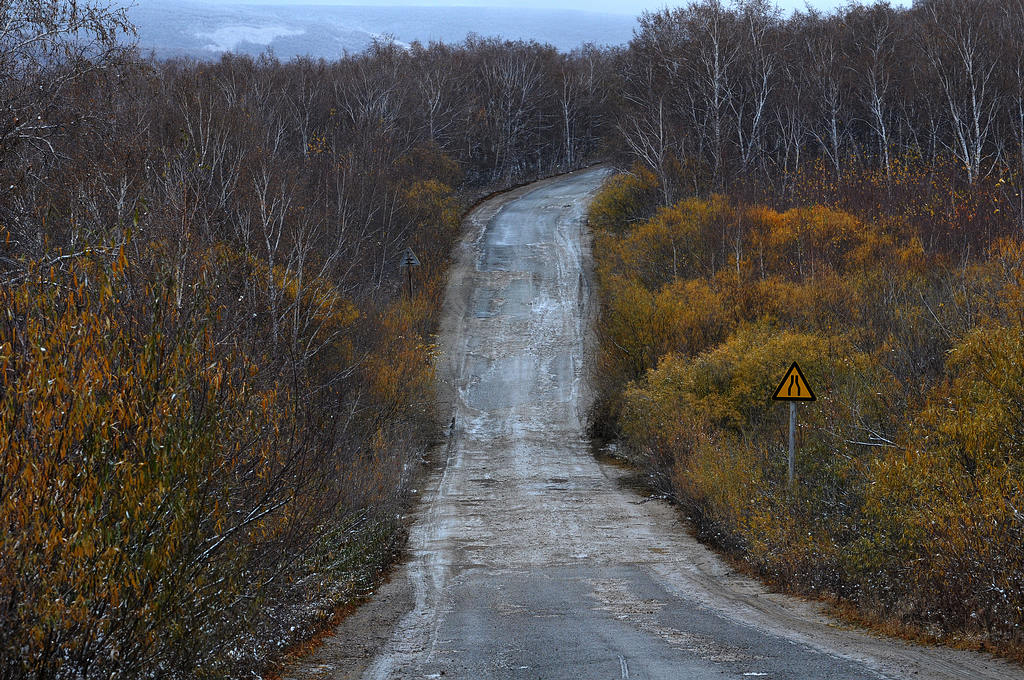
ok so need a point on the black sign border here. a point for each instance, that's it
(778, 390)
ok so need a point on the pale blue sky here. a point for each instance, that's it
(633, 7)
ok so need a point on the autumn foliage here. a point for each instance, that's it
(217, 388)
(139, 468)
(910, 477)
(169, 490)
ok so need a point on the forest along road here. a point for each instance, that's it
(528, 558)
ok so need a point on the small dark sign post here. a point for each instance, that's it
(793, 388)
(409, 260)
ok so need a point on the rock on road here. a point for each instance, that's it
(528, 558)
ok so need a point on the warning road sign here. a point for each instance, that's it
(409, 259)
(794, 387)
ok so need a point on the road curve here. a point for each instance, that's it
(528, 558)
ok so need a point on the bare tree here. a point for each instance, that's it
(45, 49)
(715, 51)
(824, 80)
(1014, 18)
(512, 81)
(872, 63)
(644, 126)
(437, 82)
(956, 36)
(756, 77)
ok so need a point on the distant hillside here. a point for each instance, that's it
(199, 30)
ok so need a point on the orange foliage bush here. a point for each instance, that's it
(628, 197)
(166, 488)
(140, 477)
(910, 473)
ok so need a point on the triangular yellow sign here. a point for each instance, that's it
(794, 387)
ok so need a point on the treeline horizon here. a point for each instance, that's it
(748, 95)
(215, 390)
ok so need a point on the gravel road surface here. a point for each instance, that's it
(529, 558)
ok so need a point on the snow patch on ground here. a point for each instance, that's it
(228, 38)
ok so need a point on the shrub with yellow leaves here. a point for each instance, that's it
(910, 479)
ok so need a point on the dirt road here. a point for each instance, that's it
(528, 558)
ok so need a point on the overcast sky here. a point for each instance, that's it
(633, 7)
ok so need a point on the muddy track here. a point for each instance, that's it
(528, 558)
